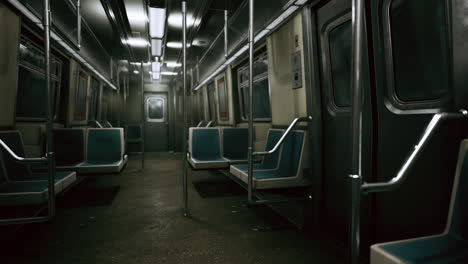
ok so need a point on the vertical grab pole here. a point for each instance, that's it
(184, 107)
(78, 23)
(143, 132)
(356, 130)
(119, 101)
(124, 107)
(225, 34)
(250, 117)
(50, 115)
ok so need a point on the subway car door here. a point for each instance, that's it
(413, 80)
(156, 122)
(333, 29)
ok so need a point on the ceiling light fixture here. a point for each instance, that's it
(156, 47)
(169, 73)
(136, 42)
(173, 64)
(157, 22)
(175, 45)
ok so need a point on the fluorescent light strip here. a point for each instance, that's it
(24, 10)
(169, 73)
(156, 47)
(157, 22)
(156, 66)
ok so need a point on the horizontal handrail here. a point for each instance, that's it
(402, 173)
(21, 159)
(281, 141)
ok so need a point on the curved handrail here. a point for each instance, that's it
(200, 123)
(402, 174)
(109, 124)
(97, 123)
(281, 141)
(21, 159)
(209, 123)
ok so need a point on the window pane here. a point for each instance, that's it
(223, 100)
(261, 100)
(80, 101)
(211, 101)
(340, 59)
(31, 100)
(420, 49)
(156, 108)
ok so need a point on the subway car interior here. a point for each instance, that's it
(234, 131)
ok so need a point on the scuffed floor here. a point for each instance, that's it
(143, 223)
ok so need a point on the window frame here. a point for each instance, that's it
(333, 107)
(156, 120)
(393, 102)
(78, 116)
(245, 85)
(222, 78)
(55, 77)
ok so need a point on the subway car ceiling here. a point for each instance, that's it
(346, 118)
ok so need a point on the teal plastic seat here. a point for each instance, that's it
(30, 190)
(269, 162)
(22, 172)
(448, 247)
(69, 146)
(235, 144)
(288, 171)
(104, 151)
(205, 149)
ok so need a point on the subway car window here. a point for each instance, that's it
(81, 94)
(223, 99)
(340, 57)
(211, 101)
(261, 89)
(94, 99)
(31, 98)
(155, 109)
(420, 47)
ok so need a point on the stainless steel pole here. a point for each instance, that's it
(225, 33)
(184, 107)
(250, 117)
(125, 100)
(50, 115)
(78, 23)
(356, 88)
(119, 101)
(143, 132)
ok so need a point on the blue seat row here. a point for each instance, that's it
(283, 168)
(216, 148)
(449, 247)
(85, 150)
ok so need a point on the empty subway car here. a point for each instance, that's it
(234, 131)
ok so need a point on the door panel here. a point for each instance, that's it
(156, 122)
(334, 30)
(413, 81)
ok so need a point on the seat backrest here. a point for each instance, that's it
(69, 145)
(133, 132)
(14, 141)
(271, 161)
(291, 154)
(235, 143)
(104, 144)
(458, 214)
(3, 172)
(204, 143)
